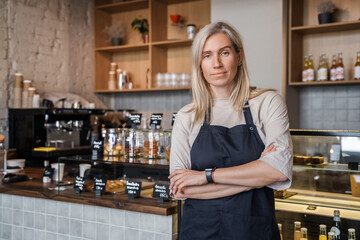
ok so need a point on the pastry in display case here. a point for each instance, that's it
(326, 177)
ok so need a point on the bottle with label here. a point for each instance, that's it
(280, 230)
(340, 71)
(357, 67)
(333, 68)
(336, 226)
(322, 233)
(322, 69)
(305, 68)
(311, 69)
(48, 171)
(318, 75)
(297, 226)
(303, 234)
(351, 234)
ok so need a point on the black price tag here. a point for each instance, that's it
(156, 119)
(133, 189)
(161, 192)
(97, 147)
(99, 185)
(173, 118)
(79, 184)
(134, 118)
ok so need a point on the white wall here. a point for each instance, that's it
(260, 24)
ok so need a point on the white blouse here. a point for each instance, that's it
(269, 114)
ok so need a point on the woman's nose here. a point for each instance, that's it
(217, 61)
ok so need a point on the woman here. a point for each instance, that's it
(218, 159)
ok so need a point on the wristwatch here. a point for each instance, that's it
(208, 174)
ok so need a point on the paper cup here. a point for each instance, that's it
(58, 171)
(82, 168)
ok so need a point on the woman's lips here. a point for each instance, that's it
(218, 74)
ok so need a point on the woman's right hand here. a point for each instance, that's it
(268, 150)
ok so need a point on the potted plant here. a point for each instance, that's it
(142, 25)
(116, 33)
(325, 10)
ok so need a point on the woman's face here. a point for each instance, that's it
(219, 63)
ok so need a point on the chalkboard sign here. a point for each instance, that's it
(133, 189)
(156, 119)
(79, 184)
(161, 192)
(97, 147)
(134, 118)
(173, 118)
(99, 186)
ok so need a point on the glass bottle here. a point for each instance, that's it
(331, 236)
(318, 72)
(333, 68)
(297, 226)
(336, 226)
(357, 67)
(322, 233)
(311, 70)
(351, 234)
(322, 69)
(303, 234)
(340, 68)
(48, 171)
(304, 70)
(280, 230)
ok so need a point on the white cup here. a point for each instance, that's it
(191, 31)
(58, 171)
(83, 167)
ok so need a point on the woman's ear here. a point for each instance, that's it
(240, 57)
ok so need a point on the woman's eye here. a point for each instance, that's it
(225, 53)
(206, 56)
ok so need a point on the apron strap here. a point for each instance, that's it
(247, 114)
(207, 117)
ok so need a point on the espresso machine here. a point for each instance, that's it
(48, 133)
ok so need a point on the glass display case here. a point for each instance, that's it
(326, 177)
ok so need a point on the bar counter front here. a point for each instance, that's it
(35, 210)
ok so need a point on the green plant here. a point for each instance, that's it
(326, 7)
(140, 24)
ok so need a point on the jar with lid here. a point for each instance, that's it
(165, 144)
(113, 142)
(133, 142)
(152, 142)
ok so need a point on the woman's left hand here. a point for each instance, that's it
(182, 178)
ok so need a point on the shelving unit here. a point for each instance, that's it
(306, 37)
(168, 49)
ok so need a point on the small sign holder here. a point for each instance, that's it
(97, 147)
(99, 186)
(156, 119)
(134, 119)
(161, 192)
(133, 189)
(79, 184)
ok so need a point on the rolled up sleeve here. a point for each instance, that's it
(276, 130)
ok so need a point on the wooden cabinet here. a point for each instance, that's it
(168, 49)
(306, 37)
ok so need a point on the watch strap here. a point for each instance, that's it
(208, 174)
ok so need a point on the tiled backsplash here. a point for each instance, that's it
(330, 107)
(33, 218)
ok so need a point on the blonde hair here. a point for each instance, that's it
(202, 100)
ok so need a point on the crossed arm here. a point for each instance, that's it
(186, 183)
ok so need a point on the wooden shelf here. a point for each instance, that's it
(322, 83)
(142, 90)
(173, 43)
(124, 6)
(123, 48)
(326, 28)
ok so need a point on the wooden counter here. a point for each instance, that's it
(37, 189)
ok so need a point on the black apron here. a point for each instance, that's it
(245, 216)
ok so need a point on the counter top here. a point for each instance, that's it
(37, 189)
